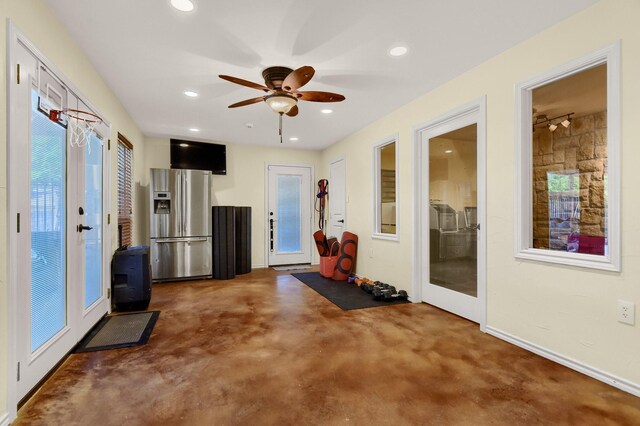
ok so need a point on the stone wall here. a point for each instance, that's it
(582, 147)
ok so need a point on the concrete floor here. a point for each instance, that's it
(265, 349)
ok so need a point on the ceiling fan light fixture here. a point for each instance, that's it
(281, 104)
(183, 5)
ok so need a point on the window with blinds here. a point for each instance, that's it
(125, 178)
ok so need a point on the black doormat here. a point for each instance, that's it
(119, 331)
(345, 296)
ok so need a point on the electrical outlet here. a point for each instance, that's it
(626, 312)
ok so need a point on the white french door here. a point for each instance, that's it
(288, 214)
(451, 210)
(59, 250)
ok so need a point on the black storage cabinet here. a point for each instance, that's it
(224, 252)
(131, 279)
(231, 241)
(243, 240)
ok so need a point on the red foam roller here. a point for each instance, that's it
(347, 256)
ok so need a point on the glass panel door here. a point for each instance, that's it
(289, 213)
(93, 218)
(48, 227)
(58, 267)
(452, 211)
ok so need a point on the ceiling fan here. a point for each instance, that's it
(281, 88)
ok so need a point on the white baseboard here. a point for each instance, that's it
(4, 419)
(603, 376)
(260, 266)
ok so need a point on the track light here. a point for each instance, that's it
(552, 123)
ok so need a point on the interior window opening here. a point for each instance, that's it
(569, 163)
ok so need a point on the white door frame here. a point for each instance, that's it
(14, 40)
(344, 160)
(420, 249)
(266, 206)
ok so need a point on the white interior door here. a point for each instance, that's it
(60, 272)
(289, 215)
(337, 199)
(452, 211)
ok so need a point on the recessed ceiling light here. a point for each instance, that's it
(398, 51)
(190, 94)
(326, 111)
(448, 151)
(193, 129)
(293, 139)
(183, 5)
(184, 145)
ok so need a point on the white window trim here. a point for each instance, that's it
(523, 208)
(377, 190)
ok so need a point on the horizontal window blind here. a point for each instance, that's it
(125, 179)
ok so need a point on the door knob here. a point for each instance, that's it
(82, 227)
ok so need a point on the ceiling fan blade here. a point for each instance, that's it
(298, 78)
(246, 83)
(293, 111)
(247, 102)
(320, 96)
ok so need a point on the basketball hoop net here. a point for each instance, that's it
(79, 123)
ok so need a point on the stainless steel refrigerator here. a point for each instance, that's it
(180, 224)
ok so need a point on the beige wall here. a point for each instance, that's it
(36, 21)
(570, 311)
(243, 185)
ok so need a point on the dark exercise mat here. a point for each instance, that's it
(345, 296)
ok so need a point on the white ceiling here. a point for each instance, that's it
(149, 53)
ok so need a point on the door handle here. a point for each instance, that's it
(271, 233)
(82, 227)
(341, 221)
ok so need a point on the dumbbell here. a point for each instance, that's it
(385, 286)
(380, 294)
(368, 286)
(401, 295)
(361, 281)
(365, 287)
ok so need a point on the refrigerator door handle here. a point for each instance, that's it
(179, 200)
(181, 240)
(184, 202)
